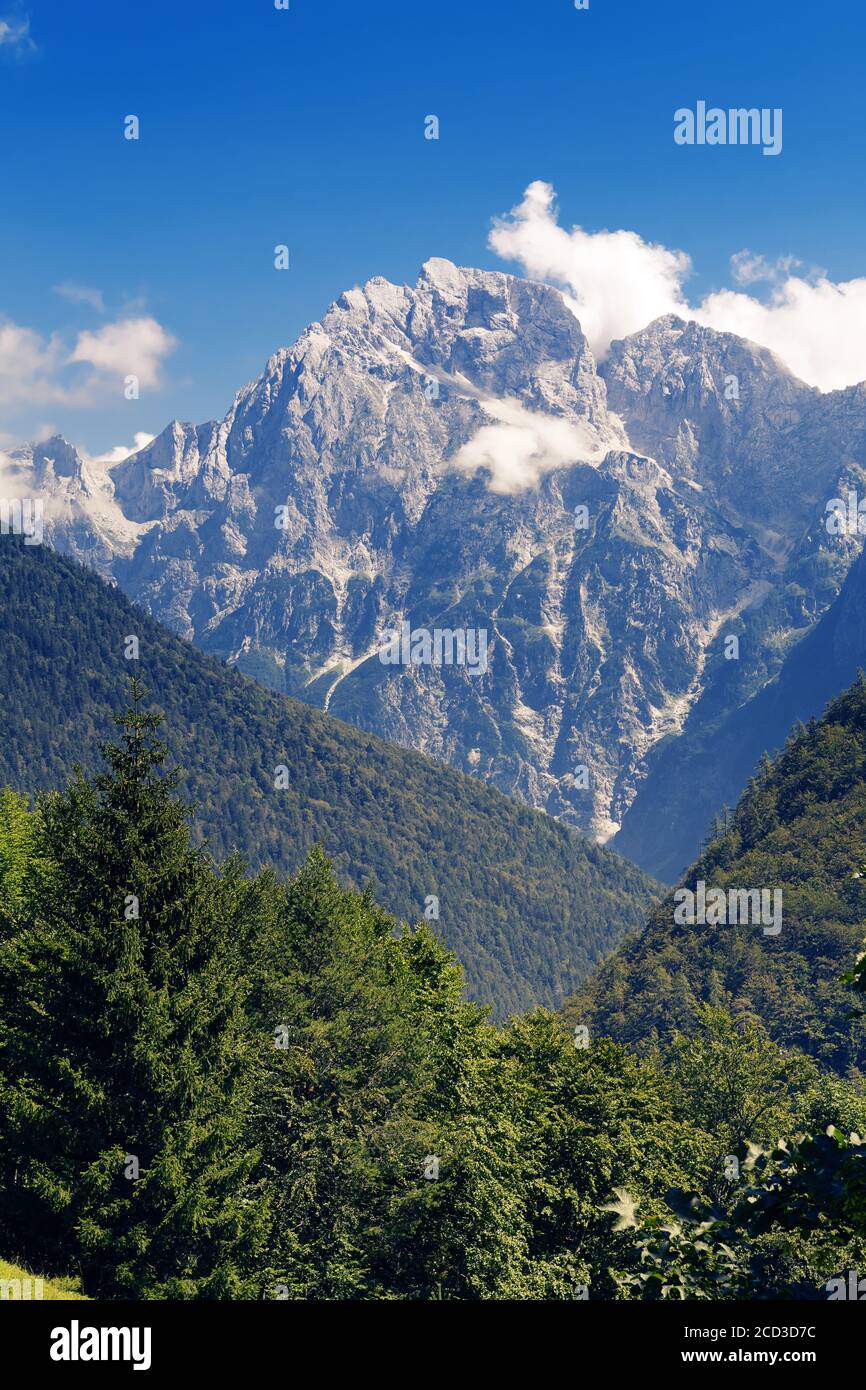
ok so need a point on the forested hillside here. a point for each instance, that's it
(528, 906)
(222, 1086)
(801, 827)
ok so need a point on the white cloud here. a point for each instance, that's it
(617, 283)
(30, 367)
(128, 347)
(522, 446)
(818, 329)
(81, 294)
(38, 369)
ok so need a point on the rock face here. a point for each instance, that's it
(710, 764)
(449, 459)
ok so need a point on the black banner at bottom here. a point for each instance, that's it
(167, 1339)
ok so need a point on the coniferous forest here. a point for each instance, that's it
(528, 906)
(224, 1084)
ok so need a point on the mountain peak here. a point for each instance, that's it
(55, 455)
(444, 275)
(448, 451)
(670, 338)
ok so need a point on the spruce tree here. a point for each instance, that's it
(125, 1049)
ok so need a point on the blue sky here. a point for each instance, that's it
(306, 127)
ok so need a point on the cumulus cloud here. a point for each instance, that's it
(31, 366)
(39, 369)
(128, 347)
(818, 329)
(617, 283)
(522, 445)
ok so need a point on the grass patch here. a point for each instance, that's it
(51, 1290)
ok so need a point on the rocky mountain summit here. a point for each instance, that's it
(640, 542)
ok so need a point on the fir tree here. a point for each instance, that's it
(125, 1052)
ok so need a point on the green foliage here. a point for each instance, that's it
(801, 827)
(731, 1081)
(796, 1220)
(318, 1112)
(696, 1262)
(315, 1108)
(386, 1072)
(775, 1218)
(807, 1183)
(123, 1039)
(528, 906)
